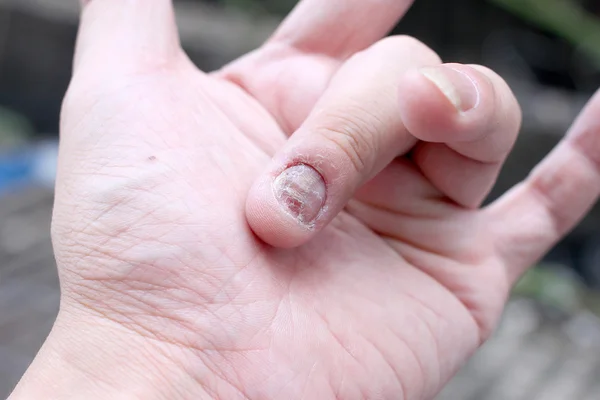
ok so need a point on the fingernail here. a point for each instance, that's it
(301, 192)
(457, 86)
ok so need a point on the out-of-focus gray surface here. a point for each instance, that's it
(29, 294)
(533, 358)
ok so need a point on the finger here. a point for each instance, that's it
(537, 213)
(467, 133)
(133, 35)
(353, 132)
(339, 28)
(290, 73)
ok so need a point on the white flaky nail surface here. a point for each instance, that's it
(301, 192)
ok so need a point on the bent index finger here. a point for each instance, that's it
(339, 28)
(466, 134)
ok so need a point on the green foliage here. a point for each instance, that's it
(14, 128)
(554, 286)
(565, 18)
(558, 287)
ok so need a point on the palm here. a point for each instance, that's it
(350, 298)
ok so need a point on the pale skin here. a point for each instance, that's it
(183, 278)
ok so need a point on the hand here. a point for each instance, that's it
(168, 293)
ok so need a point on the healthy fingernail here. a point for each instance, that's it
(301, 192)
(457, 86)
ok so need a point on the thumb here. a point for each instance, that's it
(351, 135)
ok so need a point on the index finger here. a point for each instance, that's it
(339, 28)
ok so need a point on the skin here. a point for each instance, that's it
(182, 278)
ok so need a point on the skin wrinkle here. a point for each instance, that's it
(556, 226)
(355, 141)
(223, 288)
(441, 209)
(283, 387)
(413, 353)
(340, 385)
(194, 375)
(402, 389)
(337, 339)
(520, 250)
(482, 327)
(95, 248)
(434, 339)
(126, 320)
(290, 381)
(437, 209)
(219, 371)
(290, 294)
(236, 385)
(124, 280)
(119, 203)
(542, 188)
(308, 378)
(582, 148)
(395, 236)
(112, 206)
(430, 330)
(347, 351)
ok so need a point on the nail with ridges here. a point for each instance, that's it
(301, 192)
(457, 86)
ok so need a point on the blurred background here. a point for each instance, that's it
(548, 345)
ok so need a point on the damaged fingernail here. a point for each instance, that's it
(301, 192)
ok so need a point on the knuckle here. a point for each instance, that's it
(403, 41)
(410, 45)
(354, 132)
